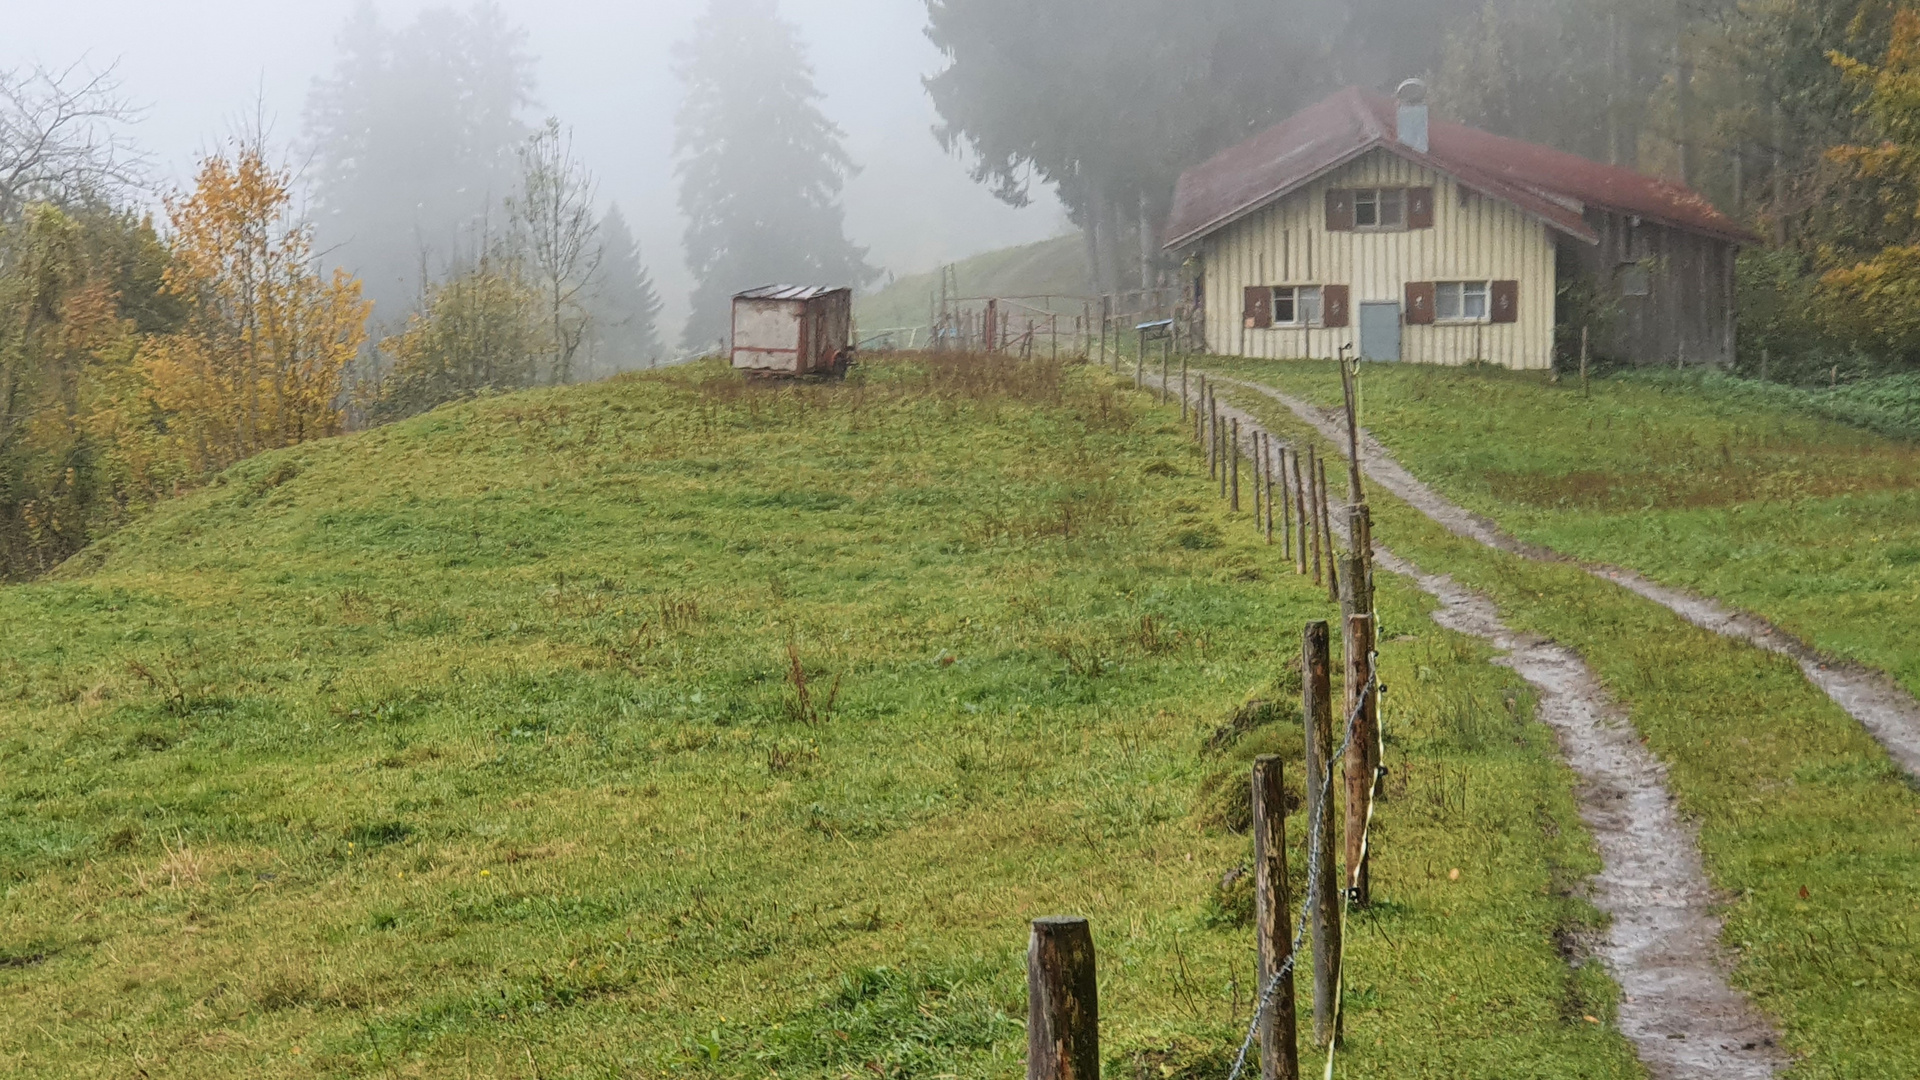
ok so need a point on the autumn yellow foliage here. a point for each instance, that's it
(267, 339)
(1875, 301)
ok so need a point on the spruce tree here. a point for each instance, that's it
(413, 137)
(761, 167)
(625, 306)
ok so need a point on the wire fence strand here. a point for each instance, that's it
(1314, 855)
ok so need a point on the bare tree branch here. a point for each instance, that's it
(63, 137)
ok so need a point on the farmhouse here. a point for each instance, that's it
(1360, 222)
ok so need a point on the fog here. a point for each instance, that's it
(204, 69)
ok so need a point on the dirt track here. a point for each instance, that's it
(1885, 709)
(1676, 1007)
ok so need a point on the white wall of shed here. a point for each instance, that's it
(767, 324)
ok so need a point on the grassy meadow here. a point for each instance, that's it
(1806, 826)
(682, 726)
(1775, 509)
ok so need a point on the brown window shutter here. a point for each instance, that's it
(1258, 307)
(1333, 305)
(1503, 302)
(1339, 211)
(1420, 208)
(1419, 303)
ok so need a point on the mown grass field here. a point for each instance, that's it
(473, 746)
(1805, 824)
(1808, 521)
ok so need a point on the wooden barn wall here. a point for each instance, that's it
(1472, 238)
(1687, 317)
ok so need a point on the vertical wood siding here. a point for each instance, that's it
(1687, 316)
(1472, 239)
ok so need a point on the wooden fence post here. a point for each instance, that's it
(1363, 756)
(1312, 510)
(1259, 492)
(1183, 387)
(1213, 433)
(1316, 692)
(1326, 529)
(1273, 930)
(1233, 461)
(1300, 515)
(1063, 1001)
(1348, 391)
(1266, 472)
(1286, 508)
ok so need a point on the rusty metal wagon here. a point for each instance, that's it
(793, 330)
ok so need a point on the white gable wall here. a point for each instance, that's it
(1472, 239)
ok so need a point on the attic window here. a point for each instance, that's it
(1635, 281)
(1380, 208)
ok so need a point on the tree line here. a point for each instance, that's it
(436, 244)
(1800, 118)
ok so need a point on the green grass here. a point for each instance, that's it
(1767, 506)
(1790, 794)
(472, 746)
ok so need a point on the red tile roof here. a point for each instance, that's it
(1548, 184)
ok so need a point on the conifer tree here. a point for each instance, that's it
(413, 137)
(761, 167)
(625, 305)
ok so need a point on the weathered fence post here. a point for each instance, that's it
(1348, 391)
(1300, 506)
(1063, 1001)
(1286, 509)
(1363, 756)
(1316, 693)
(1326, 528)
(1273, 932)
(1166, 377)
(1312, 510)
(1233, 462)
(1259, 492)
(1213, 434)
(1183, 387)
(1266, 472)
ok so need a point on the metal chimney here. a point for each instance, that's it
(1411, 128)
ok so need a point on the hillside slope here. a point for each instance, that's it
(679, 724)
(1056, 267)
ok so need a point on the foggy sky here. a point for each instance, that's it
(603, 66)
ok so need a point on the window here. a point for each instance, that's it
(1460, 301)
(1635, 280)
(1296, 305)
(1380, 208)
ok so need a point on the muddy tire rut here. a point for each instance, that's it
(1883, 707)
(1677, 1008)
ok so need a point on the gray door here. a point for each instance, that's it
(1380, 331)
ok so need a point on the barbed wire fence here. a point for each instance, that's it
(1063, 1027)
